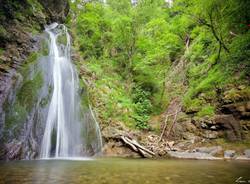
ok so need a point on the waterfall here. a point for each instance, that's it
(68, 126)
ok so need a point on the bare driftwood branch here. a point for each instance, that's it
(232, 33)
(187, 41)
(175, 117)
(164, 128)
(165, 125)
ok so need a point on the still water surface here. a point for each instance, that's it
(124, 171)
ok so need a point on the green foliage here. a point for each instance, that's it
(131, 51)
(90, 25)
(122, 53)
(240, 50)
(211, 69)
(143, 107)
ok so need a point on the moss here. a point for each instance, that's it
(29, 62)
(214, 79)
(204, 83)
(206, 111)
(15, 116)
(35, 8)
(202, 88)
(26, 96)
(19, 16)
(34, 29)
(28, 92)
(44, 48)
(236, 95)
(44, 102)
(209, 95)
(32, 58)
(3, 32)
(1, 51)
(192, 105)
(62, 39)
(84, 94)
(2, 64)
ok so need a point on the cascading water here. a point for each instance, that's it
(68, 131)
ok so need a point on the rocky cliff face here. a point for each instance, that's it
(20, 25)
(56, 10)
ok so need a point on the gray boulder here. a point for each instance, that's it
(228, 154)
(247, 153)
(209, 150)
(188, 155)
(209, 134)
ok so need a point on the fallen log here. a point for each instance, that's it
(130, 144)
(137, 147)
(142, 148)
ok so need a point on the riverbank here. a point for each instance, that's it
(115, 146)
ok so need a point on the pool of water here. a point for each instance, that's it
(124, 171)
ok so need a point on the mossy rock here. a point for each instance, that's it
(44, 48)
(15, 116)
(26, 96)
(192, 105)
(62, 39)
(207, 111)
(237, 94)
(28, 92)
(3, 33)
(84, 95)
(1, 51)
(19, 16)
